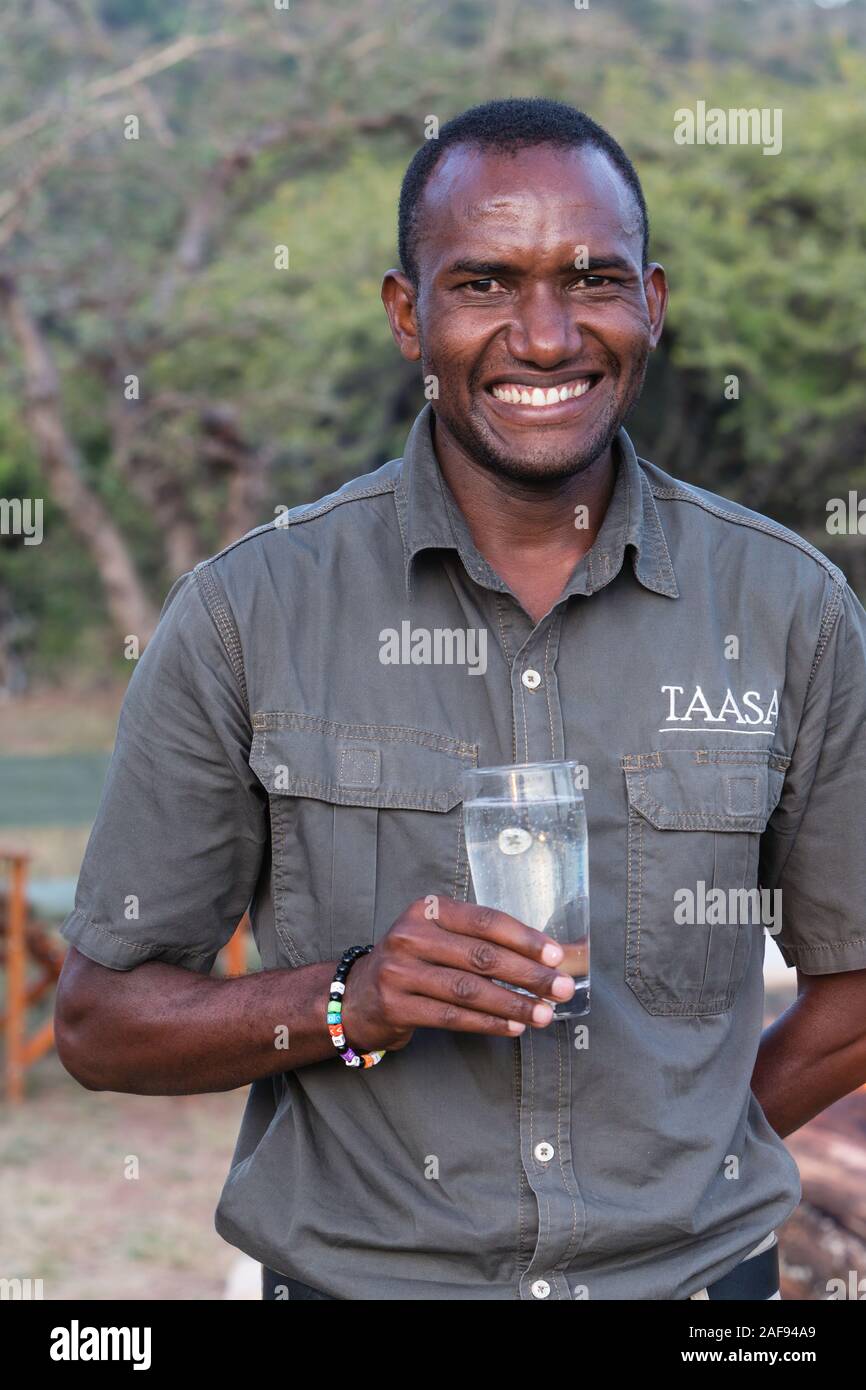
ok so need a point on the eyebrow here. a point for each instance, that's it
(491, 269)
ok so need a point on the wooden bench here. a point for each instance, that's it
(32, 960)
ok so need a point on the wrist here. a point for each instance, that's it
(359, 1031)
(352, 1051)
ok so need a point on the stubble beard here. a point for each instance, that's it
(539, 464)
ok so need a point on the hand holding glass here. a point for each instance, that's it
(527, 843)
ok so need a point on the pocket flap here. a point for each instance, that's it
(382, 765)
(705, 789)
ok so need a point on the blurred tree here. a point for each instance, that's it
(186, 385)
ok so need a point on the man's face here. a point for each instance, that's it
(504, 319)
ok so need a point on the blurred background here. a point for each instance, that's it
(164, 387)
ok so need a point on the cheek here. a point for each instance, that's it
(448, 351)
(624, 336)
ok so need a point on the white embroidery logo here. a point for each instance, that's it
(734, 716)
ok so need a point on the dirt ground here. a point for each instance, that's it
(72, 1217)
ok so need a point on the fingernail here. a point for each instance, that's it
(563, 987)
(552, 954)
(515, 1027)
(542, 1013)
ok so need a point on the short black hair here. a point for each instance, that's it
(509, 124)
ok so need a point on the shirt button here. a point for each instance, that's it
(544, 1151)
(540, 1289)
(531, 679)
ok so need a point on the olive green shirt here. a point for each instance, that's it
(293, 739)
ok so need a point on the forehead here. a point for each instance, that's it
(534, 201)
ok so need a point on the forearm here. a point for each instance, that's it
(810, 1057)
(162, 1030)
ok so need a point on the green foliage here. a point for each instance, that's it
(764, 253)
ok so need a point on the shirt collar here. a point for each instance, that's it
(430, 519)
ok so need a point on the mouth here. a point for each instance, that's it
(528, 401)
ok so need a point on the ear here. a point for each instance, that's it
(656, 291)
(398, 296)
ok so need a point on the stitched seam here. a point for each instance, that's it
(510, 661)
(754, 523)
(505, 647)
(532, 1131)
(138, 945)
(278, 809)
(747, 757)
(225, 626)
(520, 1174)
(663, 557)
(572, 1244)
(374, 490)
(640, 844)
(636, 761)
(349, 753)
(697, 820)
(387, 733)
(456, 888)
(396, 799)
(525, 729)
(729, 792)
(824, 945)
(828, 622)
(548, 681)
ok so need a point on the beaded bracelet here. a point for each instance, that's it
(335, 1012)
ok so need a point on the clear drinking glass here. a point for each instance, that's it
(527, 843)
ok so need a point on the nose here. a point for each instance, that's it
(544, 330)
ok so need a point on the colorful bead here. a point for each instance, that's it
(334, 1013)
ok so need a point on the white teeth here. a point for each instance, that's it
(536, 396)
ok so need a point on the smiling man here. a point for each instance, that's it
(707, 667)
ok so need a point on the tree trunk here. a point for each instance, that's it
(129, 606)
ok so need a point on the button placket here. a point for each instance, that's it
(545, 1110)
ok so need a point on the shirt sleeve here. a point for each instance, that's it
(815, 851)
(178, 843)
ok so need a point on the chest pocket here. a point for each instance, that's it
(365, 818)
(695, 818)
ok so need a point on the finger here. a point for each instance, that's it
(467, 919)
(435, 1013)
(484, 957)
(469, 992)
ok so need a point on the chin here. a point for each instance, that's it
(539, 470)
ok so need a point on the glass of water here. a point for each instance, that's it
(527, 843)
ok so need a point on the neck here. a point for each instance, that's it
(533, 520)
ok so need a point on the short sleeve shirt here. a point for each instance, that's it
(292, 740)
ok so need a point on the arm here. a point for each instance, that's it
(159, 1029)
(162, 1030)
(813, 853)
(815, 1053)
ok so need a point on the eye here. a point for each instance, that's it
(599, 281)
(481, 286)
